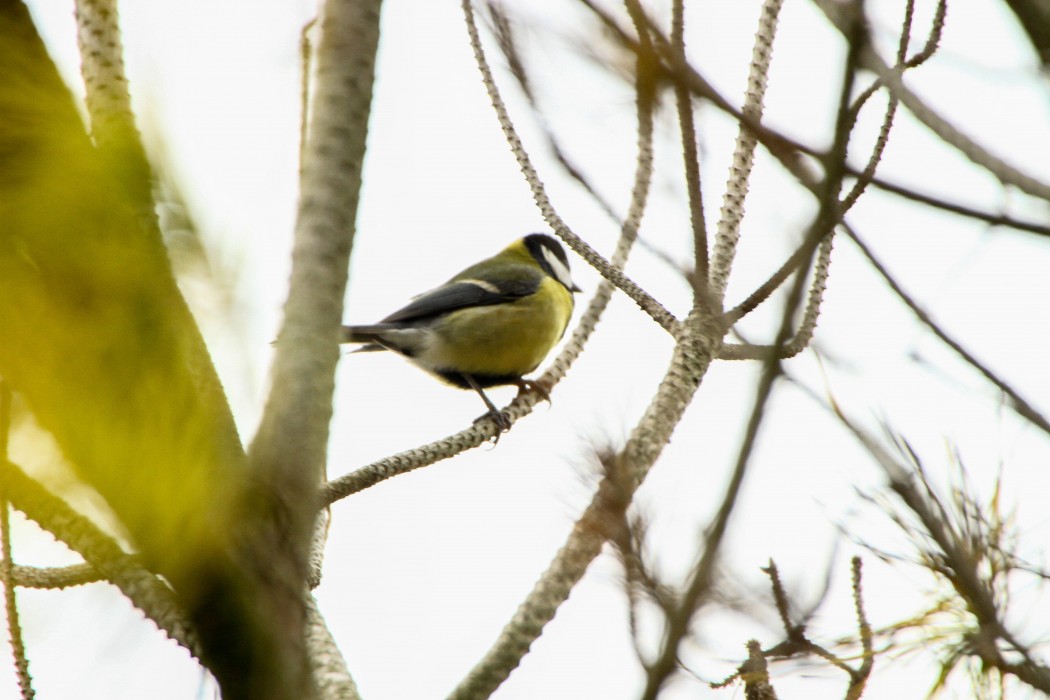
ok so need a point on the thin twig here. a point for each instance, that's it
(690, 157)
(645, 101)
(14, 628)
(821, 270)
(678, 623)
(945, 130)
(643, 299)
(961, 209)
(955, 558)
(817, 237)
(109, 102)
(858, 681)
(732, 212)
(786, 150)
(780, 599)
(55, 577)
(1017, 402)
(141, 587)
(698, 587)
(932, 41)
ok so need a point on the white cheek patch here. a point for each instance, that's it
(561, 271)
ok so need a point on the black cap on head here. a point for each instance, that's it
(550, 256)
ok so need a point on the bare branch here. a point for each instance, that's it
(55, 577)
(955, 558)
(1017, 402)
(800, 340)
(744, 153)
(14, 628)
(755, 674)
(645, 301)
(595, 525)
(141, 587)
(645, 100)
(289, 450)
(947, 132)
(698, 587)
(109, 102)
(858, 681)
(961, 209)
(692, 356)
(330, 674)
(690, 158)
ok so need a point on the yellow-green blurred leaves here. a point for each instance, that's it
(93, 331)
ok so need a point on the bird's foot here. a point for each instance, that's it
(500, 418)
(538, 387)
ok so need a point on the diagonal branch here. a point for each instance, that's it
(957, 559)
(1017, 402)
(523, 404)
(864, 178)
(331, 676)
(945, 130)
(690, 157)
(786, 150)
(643, 299)
(699, 583)
(692, 356)
(109, 102)
(141, 587)
(744, 152)
(55, 577)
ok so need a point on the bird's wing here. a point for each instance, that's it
(460, 295)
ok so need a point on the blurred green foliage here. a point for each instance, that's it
(94, 333)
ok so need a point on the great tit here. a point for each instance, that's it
(489, 325)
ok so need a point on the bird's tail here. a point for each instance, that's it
(367, 335)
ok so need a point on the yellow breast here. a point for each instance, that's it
(504, 339)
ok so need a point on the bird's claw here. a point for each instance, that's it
(536, 387)
(500, 418)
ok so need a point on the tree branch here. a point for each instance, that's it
(643, 299)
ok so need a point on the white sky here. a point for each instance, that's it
(424, 570)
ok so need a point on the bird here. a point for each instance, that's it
(489, 325)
